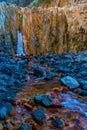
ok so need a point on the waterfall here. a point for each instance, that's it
(20, 50)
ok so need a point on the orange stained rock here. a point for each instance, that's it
(47, 5)
(56, 90)
(65, 90)
(28, 106)
(21, 101)
(57, 105)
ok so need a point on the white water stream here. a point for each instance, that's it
(20, 49)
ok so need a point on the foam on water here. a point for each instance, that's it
(76, 105)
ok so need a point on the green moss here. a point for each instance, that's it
(37, 2)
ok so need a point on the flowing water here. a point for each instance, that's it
(20, 50)
(74, 111)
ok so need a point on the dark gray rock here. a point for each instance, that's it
(3, 112)
(85, 87)
(46, 100)
(25, 126)
(3, 89)
(82, 92)
(10, 99)
(49, 75)
(38, 98)
(83, 82)
(39, 116)
(58, 123)
(8, 106)
(38, 71)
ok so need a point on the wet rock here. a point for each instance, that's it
(38, 98)
(70, 82)
(38, 116)
(3, 112)
(12, 61)
(46, 100)
(3, 82)
(25, 126)
(19, 83)
(8, 106)
(82, 92)
(10, 99)
(2, 88)
(84, 128)
(83, 82)
(58, 123)
(49, 75)
(7, 69)
(38, 71)
(22, 62)
(85, 87)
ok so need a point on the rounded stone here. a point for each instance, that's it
(39, 116)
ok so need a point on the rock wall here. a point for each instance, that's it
(61, 29)
(51, 29)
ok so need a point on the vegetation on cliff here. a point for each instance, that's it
(18, 2)
(37, 2)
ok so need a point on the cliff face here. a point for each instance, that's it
(61, 29)
(47, 29)
(62, 3)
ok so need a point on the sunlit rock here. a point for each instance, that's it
(70, 82)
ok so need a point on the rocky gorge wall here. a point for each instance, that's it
(54, 28)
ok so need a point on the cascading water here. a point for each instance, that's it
(20, 50)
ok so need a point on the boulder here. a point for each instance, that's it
(70, 82)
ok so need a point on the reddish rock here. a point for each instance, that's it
(56, 90)
(65, 90)
(28, 106)
(57, 105)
